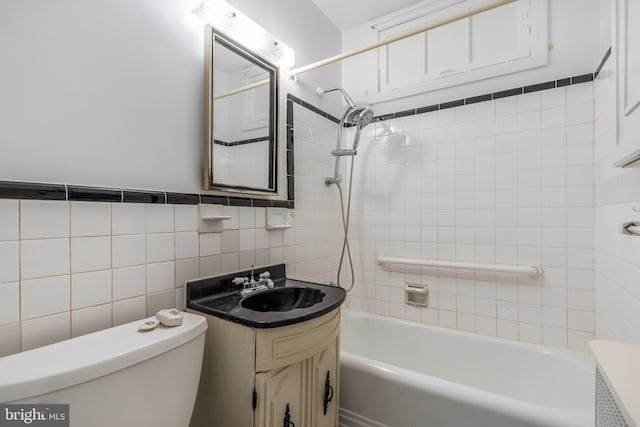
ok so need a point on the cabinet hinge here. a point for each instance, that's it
(254, 399)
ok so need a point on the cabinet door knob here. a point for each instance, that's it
(328, 393)
(287, 418)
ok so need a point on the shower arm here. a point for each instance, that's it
(320, 92)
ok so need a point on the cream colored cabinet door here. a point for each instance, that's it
(325, 380)
(280, 397)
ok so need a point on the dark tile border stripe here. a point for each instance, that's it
(604, 60)
(386, 117)
(405, 113)
(135, 196)
(239, 201)
(262, 203)
(207, 199)
(427, 109)
(183, 199)
(476, 99)
(508, 92)
(73, 193)
(452, 104)
(241, 142)
(540, 86)
(583, 78)
(290, 154)
(27, 190)
(90, 194)
(313, 108)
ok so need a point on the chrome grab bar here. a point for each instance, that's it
(530, 270)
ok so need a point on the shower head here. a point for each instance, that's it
(360, 117)
(320, 92)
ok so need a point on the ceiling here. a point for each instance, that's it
(347, 14)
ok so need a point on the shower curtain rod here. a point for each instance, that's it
(439, 23)
(243, 89)
(344, 55)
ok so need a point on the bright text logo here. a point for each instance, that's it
(34, 415)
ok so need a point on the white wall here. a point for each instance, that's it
(572, 30)
(111, 93)
(617, 256)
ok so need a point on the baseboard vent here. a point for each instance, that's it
(608, 413)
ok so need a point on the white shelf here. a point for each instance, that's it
(215, 217)
(211, 218)
(278, 227)
(277, 219)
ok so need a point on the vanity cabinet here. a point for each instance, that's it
(275, 377)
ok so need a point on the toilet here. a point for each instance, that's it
(114, 377)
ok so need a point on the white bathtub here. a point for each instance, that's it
(401, 374)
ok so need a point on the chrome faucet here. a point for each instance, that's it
(250, 286)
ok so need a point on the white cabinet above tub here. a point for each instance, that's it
(626, 48)
(270, 377)
(505, 40)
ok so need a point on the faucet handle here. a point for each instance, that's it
(239, 280)
(265, 275)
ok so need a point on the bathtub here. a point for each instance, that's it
(397, 373)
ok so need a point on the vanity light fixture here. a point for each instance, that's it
(238, 26)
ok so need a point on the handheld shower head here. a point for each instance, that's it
(360, 117)
(320, 92)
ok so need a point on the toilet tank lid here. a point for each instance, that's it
(77, 360)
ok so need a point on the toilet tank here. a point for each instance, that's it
(117, 376)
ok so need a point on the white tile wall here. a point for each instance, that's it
(90, 219)
(44, 258)
(507, 181)
(90, 254)
(89, 289)
(9, 226)
(9, 303)
(91, 319)
(617, 291)
(67, 269)
(45, 330)
(41, 297)
(43, 219)
(129, 282)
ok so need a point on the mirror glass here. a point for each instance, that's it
(242, 117)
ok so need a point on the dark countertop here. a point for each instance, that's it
(218, 297)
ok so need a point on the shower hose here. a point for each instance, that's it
(345, 223)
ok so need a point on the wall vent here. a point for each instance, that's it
(608, 413)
